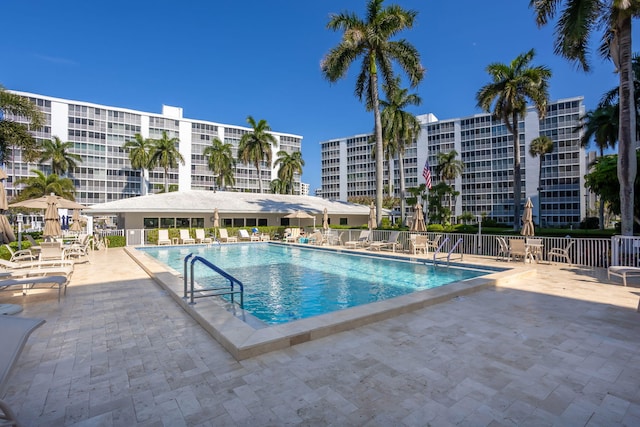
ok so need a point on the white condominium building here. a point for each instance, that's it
(98, 133)
(485, 147)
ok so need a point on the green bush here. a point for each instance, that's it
(437, 228)
(118, 241)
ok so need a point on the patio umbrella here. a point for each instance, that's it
(299, 215)
(325, 219)
(527, 219)
(6, 231)
(76, 225)
(43, 203)
(51, 219)
(418, 219)
(372, 216)
(216, 218)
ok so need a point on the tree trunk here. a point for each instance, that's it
(517, 178)
(402, 185)
(379, 145)
(259, 177)
(627, 166)
(166, 180)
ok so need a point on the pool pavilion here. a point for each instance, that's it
(195, 209)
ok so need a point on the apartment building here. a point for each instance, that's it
(98, 133)
(486, 148)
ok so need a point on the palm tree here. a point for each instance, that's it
(14, 134)
(56, 151)
(575, 25)
(289, 164)
(41, 185)
(165, 154)
(255, 146)
(370, 40)
(277, 186)
(450, 168)
(220, 161)
(506, 98)
(400, 127)
(539, 147)
(139, 155)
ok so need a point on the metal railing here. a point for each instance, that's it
(190, 291)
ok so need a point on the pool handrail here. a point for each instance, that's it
(227, 290)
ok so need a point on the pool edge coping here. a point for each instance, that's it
(243, 341)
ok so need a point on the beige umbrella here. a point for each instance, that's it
(372, 217)
(43, 202)
(299, 215)
(418, 219)
(76, 225)
(527, 219)
(51, 219)
(216, 218)
(325, 219)
(6, 231)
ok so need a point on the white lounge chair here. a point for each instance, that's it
(391, 242)
(244, 235)
(562, 253)
(518, 249)
(163, 237)
(185, 237)
(363, 240)
(292, 234)
(224, 236)
(29, 282)
(51, 251)
(503, 250)
(623, 272)
(21, 255)
(200, 236)
(316, 238)
(420, 244)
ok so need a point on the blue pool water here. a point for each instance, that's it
(284, 283)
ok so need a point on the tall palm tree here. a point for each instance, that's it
(139, 150)
(450, 168)
(506, 98)
(14, 134)
(290, 164)
(575, 25)
(165, 154)
(41, 185)
(539, 147)
(399, 126)
(220, 161)
(57, 152)
(277, 186)
(369, 39)
(255, 146)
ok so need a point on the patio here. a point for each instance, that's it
(557, 348)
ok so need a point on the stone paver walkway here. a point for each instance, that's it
(558, 348)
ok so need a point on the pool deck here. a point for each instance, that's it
(557, 346)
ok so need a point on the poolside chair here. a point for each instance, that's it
(292, 235)
(316, 238)
(623, 272)
(518, 249)
(185, 237)
(78, 249)
(433, 244)
(562, 253)
(224, 236)
(363, 240)
(35, 246)
(15, 332)
(420, 244)
(51, 251)
(391, 242)
(503, 250)
(22, 255)
(244, 235)
(163, 237)
(200, 237)
(30, 282)
(30, 272)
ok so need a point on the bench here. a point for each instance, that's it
(14, 332)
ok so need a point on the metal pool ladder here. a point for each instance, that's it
(435, 254)
(190, 292)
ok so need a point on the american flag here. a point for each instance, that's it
(426, 173)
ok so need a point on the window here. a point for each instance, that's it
(167, 222)
(182, 222)
(150, 223)
(197, 222)
(343, 221)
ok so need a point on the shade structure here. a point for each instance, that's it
(325, 219)
(42, 203)
(418, 219)
(216, 218)
(76, 225)
(300, 215)
(527, 219)
(372, 217)
(51, 219)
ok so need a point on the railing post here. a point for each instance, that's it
(184, 274)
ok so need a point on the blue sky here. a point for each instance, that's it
(223, 61)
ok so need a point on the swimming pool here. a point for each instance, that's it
(283, 283)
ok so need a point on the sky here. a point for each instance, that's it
(224, 61)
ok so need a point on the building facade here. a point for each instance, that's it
(98, 133)
(485, 146)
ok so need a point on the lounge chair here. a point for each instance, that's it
(29, 282)
(185, 237)
(22, 255)
(224, 236)
(200, 236)
(244, 235)
(163, 237)
(503, 250)
(623, 272)
(36, 268)
(363, 240)
(518, 249)
(78, 249)
(51, 251)
(35, 246)
(316, 238)
(420, 244)
(433, 244)
(562, 253)
(15, 332)
(391, 242)
(292, 234)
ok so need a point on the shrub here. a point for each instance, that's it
(590, 223)
(435, 228)
(118, 241)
